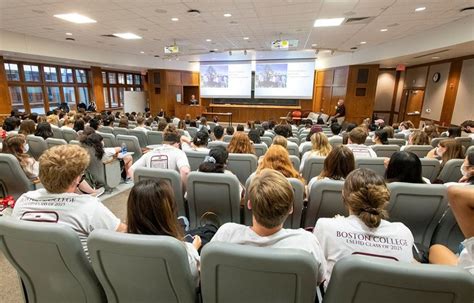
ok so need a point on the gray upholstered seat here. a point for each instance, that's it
(368, 279)
(242, 165)
(399, 142)
(13, 180)
(470, 150)
(69, 134)
(107, 174)
(172, 176)
(192, 131)
(399, 136)
(451, 171)
(50, 260)
(295, 160)
(141, 136)
(120, 131)
(375, 164)
(465, 141)
(260, 149)
(50, 142)
(267, 140)
(75, 142)
(57, 133)
(313, 166)
(132, 145)
(293, 139)
(227, 138)
(141, 268)
(195, 158)
(420, 150)
(155, 137)
(418, 206)
(447, 232)
(385, 150)
(37, 146)
(214, 192)
(430, 168)
(106, 129)
(306, 148)
(217, 143)
(109, 139)
(325, 201)
(435, 141)
(238, 273)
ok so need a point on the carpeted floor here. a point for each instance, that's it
(10, 291)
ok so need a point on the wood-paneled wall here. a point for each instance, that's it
(97, 88)
(5, 102)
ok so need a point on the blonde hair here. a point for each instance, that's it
(366, 195)
(240, 144)
(419, 137)
(320, 144)
(271, 197)
(280, 140)
(53, 119)
(61, 165)
(277, 158)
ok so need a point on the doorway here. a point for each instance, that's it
(412, 105)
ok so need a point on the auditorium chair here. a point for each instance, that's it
(242, 165)
(293, 150)
(195, 158)
(375, 164)
(57, 133)
(141, 136)
(212, 144)
(325, 201)
(420, 150)
(447, 232)
(141, 268)
(435, 141)
(132, 145)
(107, 174)
(13, 180)
(109, 139)
(399, 142)
(418, 206)
(106, 129)
(37, 146)
(465, 141)
(192, 131)
(239, 273)
(213, 192)
(302, 137)
(293, 139)
(335, 142)
(120, 131)
(267, 140)
(50, 261)
(211, 125)
(155, 137)
(306, 148)
(294, 219)
(295, 160)
(369, 142)
(470, 150)
(430, 168)
(451, 171)
(260, 149)
(371, 279)
(69, 134)
(385, 150)
(50, 142)
(75, 142)
(227, 138)
(399, 136)
(172, 176)
(313, 166)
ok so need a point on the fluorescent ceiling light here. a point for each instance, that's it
(68, 34)
(208, 40)
(227, 15)
(419, 9)
(328, 22)
(174, 19)
(75, 18)
(142, 52)
(246, 38)
(314, 44)
(384, 30)
(127, 36)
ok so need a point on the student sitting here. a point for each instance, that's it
(141, 125)
(364, 231)
(446, 150)
(270, 199)
(405, 167)
(320, 147)
(199, 143)
(380, 137)
(277, 158)
(356, 142)
(17, 146)
(61, 169)
(218, 133)
(240, 144)
(229, 130)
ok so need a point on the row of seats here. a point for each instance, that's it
(148, 268)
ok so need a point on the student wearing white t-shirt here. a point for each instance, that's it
(141, 125)
(461, 201)
(61, 170)
(364, 231)
(166, 156)
(356, 142)
(270, 199)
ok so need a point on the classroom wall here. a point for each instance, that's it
(435, 92)
(384, 91)
(464, 107)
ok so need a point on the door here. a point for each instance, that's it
(414, 105)
(326, 100)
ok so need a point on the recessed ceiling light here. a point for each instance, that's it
(127, 36)
(227, 15)
(75, 18)
(246, 38)
(208, 40)
(435, 57)
(384, 30)
(216, 49)
(419, 9)
(363, 42)
(328, 22)
(68, 34)
(142, 52)
(174, 19)
(314, 44)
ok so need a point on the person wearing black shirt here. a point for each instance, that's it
(340, 112)
(193, 100)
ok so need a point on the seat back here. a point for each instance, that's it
(399, 136)
(69, 134)
(470, 150)
(306, 148)
(57, 133)
(217, 143)
(267, 140)
(238, 273)
(293, 139)
(420, 150)
(242, 165)
(435, 141)
(369, 141)
(418, 206)
(172, 176)
(260, 149)
(465, 141)
(195, 158)
(335, 141)
(192, 131)
(214, 192)
(325, 201)
(375, 164)
(106, 129)
(227, 138)
(448, 232)
(368, 279)
(50, 260)
(75, 142)
(109, 139)
(385, 150)
(211, 125)
(37, 146)
(120, 131)
(451, 171)
(155, 137)
(313, 166)
(399, 142)
(141, 136)
(50, 142)
(132, 145)
(141, 268)
(108, 175)
(13, 180)
(296, 162)
(293, 150)
(430, 168)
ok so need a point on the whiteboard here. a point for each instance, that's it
(134, 102)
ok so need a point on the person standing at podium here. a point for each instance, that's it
(193, 100)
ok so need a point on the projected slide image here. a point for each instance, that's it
(271, 76)
(215, 76)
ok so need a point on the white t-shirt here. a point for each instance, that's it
(344, 236)
(362, 151)
(82, 213)
(466, 258)
(165, 156)
(194, 261)
(141, 128)
(109, 153)
(284, 238)
(187, 147)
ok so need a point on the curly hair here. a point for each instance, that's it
(240, 144)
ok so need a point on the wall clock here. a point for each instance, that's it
(436, 77)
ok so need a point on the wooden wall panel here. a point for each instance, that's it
(317, 98)
(360, 107)
(242, 114)
(190, 78)
(173, 78)
(340, 76)
(97, 88)
(5, 101)
(451, 92)
(328, 77)
(320, 78)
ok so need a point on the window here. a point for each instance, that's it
(35, 98)
(112, 78)
(16, 97)
(121, 94)
(31, 73)
(50, 74)
(121, 78)
(69, 95)
(138, 79)
(83, 95)
(81, 76)
(114, 97)
(54, 96)
(66, 75)
(104, 78)
(129, 79)
(12, 72)
(106, 97)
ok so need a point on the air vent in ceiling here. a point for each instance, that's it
(431, 54)
(358, 20)
(109, 36)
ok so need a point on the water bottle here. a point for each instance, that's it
(124, 148)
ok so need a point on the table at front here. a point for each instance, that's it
(219, 114)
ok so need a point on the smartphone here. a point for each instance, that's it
(189, 238)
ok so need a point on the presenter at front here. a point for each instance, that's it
(340, 115)
(193, 100)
